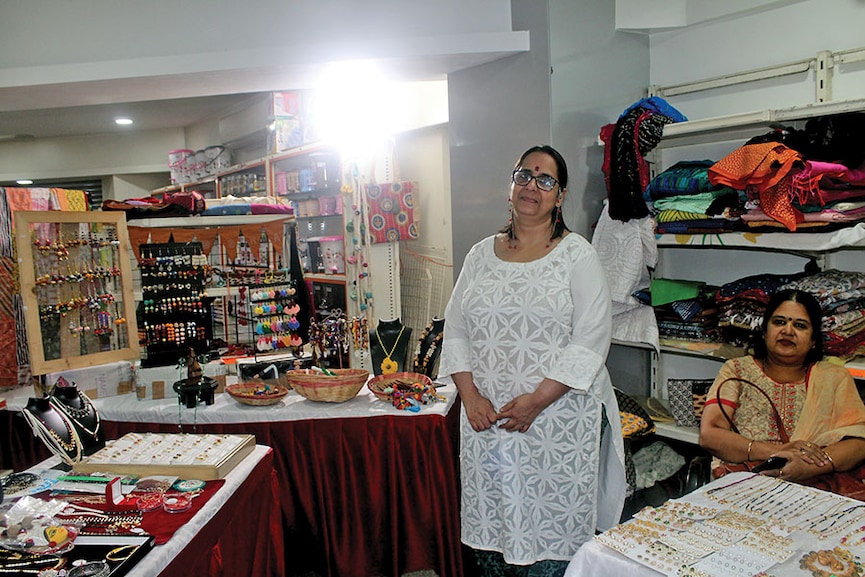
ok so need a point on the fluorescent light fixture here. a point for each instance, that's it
(24, 181)
(123, 121)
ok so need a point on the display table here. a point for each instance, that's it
(365, 489)
(741, 524)
(215, 541)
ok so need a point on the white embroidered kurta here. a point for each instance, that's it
(540, 494)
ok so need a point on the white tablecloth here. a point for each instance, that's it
(293, 407)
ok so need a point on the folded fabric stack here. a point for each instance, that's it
(742, 304)
(683, 200)
(685, 310)
(794, 180)
(841, 296)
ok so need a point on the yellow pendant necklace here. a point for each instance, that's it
(388, 365)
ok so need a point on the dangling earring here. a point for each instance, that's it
(512, 237)
(557, 222)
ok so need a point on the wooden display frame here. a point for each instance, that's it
(123, 340)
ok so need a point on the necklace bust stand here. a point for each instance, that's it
(55, 429)
(76, 407)
(389, 346)
(429, 348)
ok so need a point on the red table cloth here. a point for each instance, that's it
(359, 496)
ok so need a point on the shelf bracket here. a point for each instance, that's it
(823, 81)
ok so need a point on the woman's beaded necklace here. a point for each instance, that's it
(421, 363)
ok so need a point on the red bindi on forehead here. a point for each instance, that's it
(537, 168)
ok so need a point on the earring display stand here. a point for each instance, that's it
(389, 346)
(76, 288)
(175, 309)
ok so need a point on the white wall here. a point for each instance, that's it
(497, 110)
(788, 33)
(597, 73)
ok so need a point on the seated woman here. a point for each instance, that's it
(786, 401)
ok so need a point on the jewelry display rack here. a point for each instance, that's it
(76, 287)
(274, 310)
(174, 309)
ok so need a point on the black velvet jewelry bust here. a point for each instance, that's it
(76, 407)
(54, 428)
(389, 346)
(429, 348)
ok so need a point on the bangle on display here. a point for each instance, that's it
(121, 553)
(750, 444)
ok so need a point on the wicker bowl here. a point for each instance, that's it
(267, 394)
(315, 386)
(381, 383)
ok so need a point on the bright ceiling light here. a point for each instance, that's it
(355, 105)
(123, 121)
(24, 181)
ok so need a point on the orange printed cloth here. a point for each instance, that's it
(765, 168)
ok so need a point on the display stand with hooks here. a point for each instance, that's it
(174, 306)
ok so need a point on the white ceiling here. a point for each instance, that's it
(161, 102)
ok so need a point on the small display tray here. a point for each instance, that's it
(119, 552)
(185, 455)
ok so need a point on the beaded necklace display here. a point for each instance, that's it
(78, 413)
(388, 365)
(69, 450)
(422, 361)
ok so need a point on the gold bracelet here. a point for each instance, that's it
(115, 557)
(830, 459)
(750, 444)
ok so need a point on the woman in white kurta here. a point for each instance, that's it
(527, 331)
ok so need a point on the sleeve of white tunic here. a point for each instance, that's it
(581, 362)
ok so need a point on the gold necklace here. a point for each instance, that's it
(389, 366)
(73, 413)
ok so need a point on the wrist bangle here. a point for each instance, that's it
(750, 444)
(831, 461)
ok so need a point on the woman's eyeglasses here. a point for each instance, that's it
(523, 177)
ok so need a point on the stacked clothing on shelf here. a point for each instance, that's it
(841, 296)
(742, 303)
(685, 310)
(809, 180)
(787, 180)
(683, 200)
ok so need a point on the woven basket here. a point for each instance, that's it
(245, 393)
(379, 384)
(343, 386)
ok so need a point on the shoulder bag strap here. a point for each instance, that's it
(781, 430)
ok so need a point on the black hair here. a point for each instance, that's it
(556, 219)
(815, 315)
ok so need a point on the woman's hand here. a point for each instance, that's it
(480, 412)
(806, 451)
(520, 413)
(801, 464)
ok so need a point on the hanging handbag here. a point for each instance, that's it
(782, 432)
